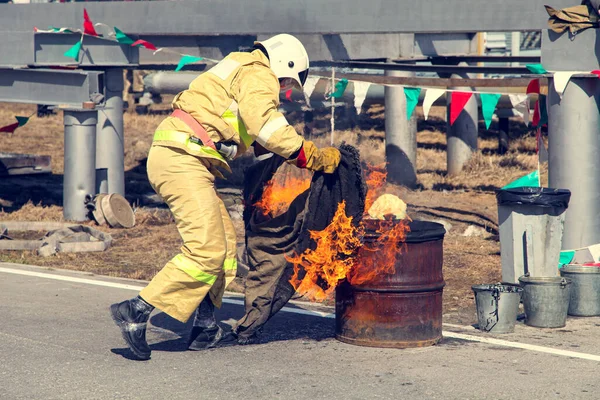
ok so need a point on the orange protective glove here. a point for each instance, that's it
(315, 159)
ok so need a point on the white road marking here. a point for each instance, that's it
(524, 346)
(228, 300)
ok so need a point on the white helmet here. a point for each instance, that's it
(288, 58)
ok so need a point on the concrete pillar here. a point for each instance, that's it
(400, 136)
(80, 160)
(574, 164)
(110, 168)
(462, 136)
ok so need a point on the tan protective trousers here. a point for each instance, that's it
(208, 259)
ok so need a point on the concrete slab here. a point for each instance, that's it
(58, 341)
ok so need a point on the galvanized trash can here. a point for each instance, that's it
(585, 290)
(546, 301)
(531, 226)
(497, 307)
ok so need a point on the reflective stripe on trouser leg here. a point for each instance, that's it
(186, 185)
(230, 263)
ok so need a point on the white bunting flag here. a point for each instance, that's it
(561, 80)
(309, 88)
(360, 93)
(431, 95)
(520, 103)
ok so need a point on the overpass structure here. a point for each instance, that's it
(391, 34)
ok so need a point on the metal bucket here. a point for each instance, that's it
(546, 301)
(585, 290)
(497, 307)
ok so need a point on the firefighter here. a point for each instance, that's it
(226, 110)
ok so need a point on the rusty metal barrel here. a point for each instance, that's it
(402, 309)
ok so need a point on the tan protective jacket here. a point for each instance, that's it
(236, 100)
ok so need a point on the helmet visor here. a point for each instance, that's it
(286, 84)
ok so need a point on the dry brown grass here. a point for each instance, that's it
(462, 200)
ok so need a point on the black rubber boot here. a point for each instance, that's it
(131, 316)
(205, 332)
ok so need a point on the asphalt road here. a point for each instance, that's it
(57, 341)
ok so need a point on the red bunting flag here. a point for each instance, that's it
(288, 95)
(88, 25)
(9, 128)
(144, 43)
(536, 114)
(459, 101)
(534, 86)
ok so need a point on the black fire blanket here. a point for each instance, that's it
(269, 240)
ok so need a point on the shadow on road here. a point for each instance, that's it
(282, 327)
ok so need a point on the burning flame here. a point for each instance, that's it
(330, 261)
(280, 191)
(379, 257)
(340, 254)
(376, 179)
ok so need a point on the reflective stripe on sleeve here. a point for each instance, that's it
(269, 129)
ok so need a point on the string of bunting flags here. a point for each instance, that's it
(114, 34)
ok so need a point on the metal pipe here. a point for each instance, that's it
(80, 161)
(574, 145)
(462, 135)
(110, 166)
(400, 136)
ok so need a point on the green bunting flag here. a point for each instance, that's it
(22, 120)
(412, 99)
(489, 101)
(531, 180)
(536, 69)
(566, 257)
(340, 88)
(73, 52)
(122, 38)
(543, 110)
(185, 60)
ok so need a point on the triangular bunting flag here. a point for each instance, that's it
(340, 88)
(536, 69)
(561, 80)
(9, 128)
(122, 38)
(73, 52)
(536, 114)
(489, 101)
(88, 26)
(520, 103)
(458, 103)
(309, 88)
(141, 42)
(533, 87)
(22, 120)
(431, 95)
(360, 94)
(543, 110)
(565, 257)
(185, 60)
(412, 99)
(531, 180)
